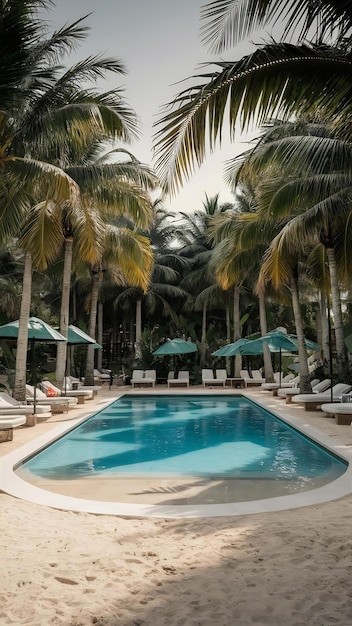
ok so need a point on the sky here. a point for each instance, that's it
(159, 43)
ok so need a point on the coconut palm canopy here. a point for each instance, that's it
(175, 346)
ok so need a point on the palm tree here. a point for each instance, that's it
(277, 78)
(237, 262)
(108, 190)
(58, 118)
(164, 296)
(129, 257)
(196, 245)
(310, 185)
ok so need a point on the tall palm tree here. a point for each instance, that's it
(164, 296)
(237, 262)
(196, 245)
(108, 190)
(310, 185)
(55, 118)
(129, 257)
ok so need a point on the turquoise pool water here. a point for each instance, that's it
(212, 437)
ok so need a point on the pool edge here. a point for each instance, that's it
(13, 485)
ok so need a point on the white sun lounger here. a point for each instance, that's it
(79, 394)
(341, 411)
(74, 384)
(221, 374)
(101, 377)
(311, 401)
(149, 377)
(58, 404)
(181, 381)
(9, 406)
(137, 377)
(250, 381)
(208, 378)
(317, 387)
(290, 380)
(7, 424)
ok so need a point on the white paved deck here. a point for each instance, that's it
(28, 440)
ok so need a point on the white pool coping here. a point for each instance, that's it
(13, 485)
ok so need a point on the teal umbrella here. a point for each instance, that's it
(277, 341)
(76, 336)
(231, 349)
(174, 347)
(310, 345)
(37, 331)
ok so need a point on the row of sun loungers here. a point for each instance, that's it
(335, 402)
(49, 399)
(148, 377)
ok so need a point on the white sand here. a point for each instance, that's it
(290, 568)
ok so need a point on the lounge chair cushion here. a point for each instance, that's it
(319, 398)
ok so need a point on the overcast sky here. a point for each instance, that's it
(158, 41)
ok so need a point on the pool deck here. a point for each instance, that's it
(162, 499)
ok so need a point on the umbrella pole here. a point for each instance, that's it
(66, 371)
(34, 378)
(330, 356)
(280, 366)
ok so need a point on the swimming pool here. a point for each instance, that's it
(227, 447)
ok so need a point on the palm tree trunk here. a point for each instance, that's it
(96, 281)
(237, 327)
(138, 349)
(304, 378)
(268, 366)
(341, 351)
(61, 354)
(323, 340)
(19, 391)
(100, 335)
(228, 338)
(204, 336)
(228, 324)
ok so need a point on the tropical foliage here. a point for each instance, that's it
(92, 246)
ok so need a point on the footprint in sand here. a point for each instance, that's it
(65, 581)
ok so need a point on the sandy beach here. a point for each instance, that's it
(76, 569)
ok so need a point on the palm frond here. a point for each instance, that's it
(50, 51)
(276, 79)
(227, 22)
(132, 253)
(42, 235)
